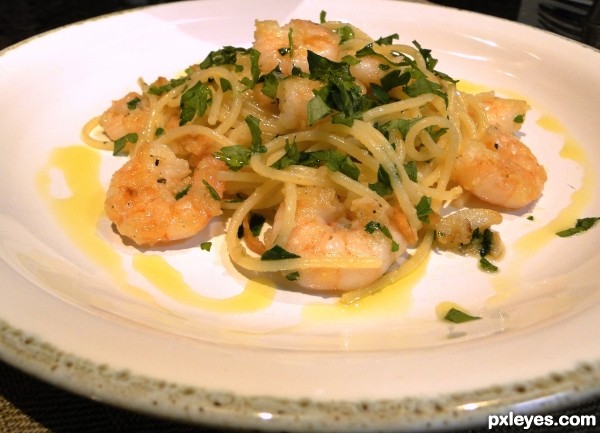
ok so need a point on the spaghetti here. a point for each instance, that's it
(346, 147)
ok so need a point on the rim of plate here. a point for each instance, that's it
(212, 407)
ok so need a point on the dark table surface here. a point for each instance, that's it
(28, 405)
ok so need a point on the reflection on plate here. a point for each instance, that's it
(179, 332)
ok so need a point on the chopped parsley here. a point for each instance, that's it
(520, 118)
(256, 223)
(372, 226)
(225, 56)
(317, 109)
(194, 102)
(213, 193)
(228, 56)
(421, 85)
(430, 62)
(411, 170)
(424, 209)
(455, 315)
(293, 276)
(387, 40)
(482, 242)
(225, 84)
(292, 156)
(330, 158)
(160, 90)
(256, 133)
(271, 82)
(120, 143)
(183, 192)
(346, 33)
(486, 265)
(206, 246)
(383, 186)
(340, 92)
(278, 253)
(133, 103)
(235, 156)
(290, 50)
(334, 161)
(396, 78)
(582, 225)
(484, 239)
(323, 17)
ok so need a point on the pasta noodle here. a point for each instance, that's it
(348, 148)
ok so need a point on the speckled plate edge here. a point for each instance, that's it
(183, 403)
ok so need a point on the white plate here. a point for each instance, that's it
(75, 312)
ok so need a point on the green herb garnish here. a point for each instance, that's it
(455, 315)
(486, 265)
(373, 226)
(133, 103)
(332, 159)
(256, 223)
(225, 56)
(293, 276)
(271, 83)
(160, 90)
(582, 225)
(317, 109)
(340, 92)
(206, 246)
(213, 193)
(278, 253)
(120, 143)
(346, 33)
(424, 209)
(485, 239)
(256, 133)
(387, 40)
(383, 186)
(323, 17)
(292, 156)
(183, 192)
(421, 85)
(235, 156)
(194, 102)
(395, 78)
(225, 84)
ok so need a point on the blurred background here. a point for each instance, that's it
(24, 18)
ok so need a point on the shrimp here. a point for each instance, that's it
(287, 46)
(156, 197)
(506, 114)
(326, 227)
(294, 94)
(499, 168)
(367, 71)
(126, 115)
(131, 114)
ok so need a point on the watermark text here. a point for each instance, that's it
(527, 421)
